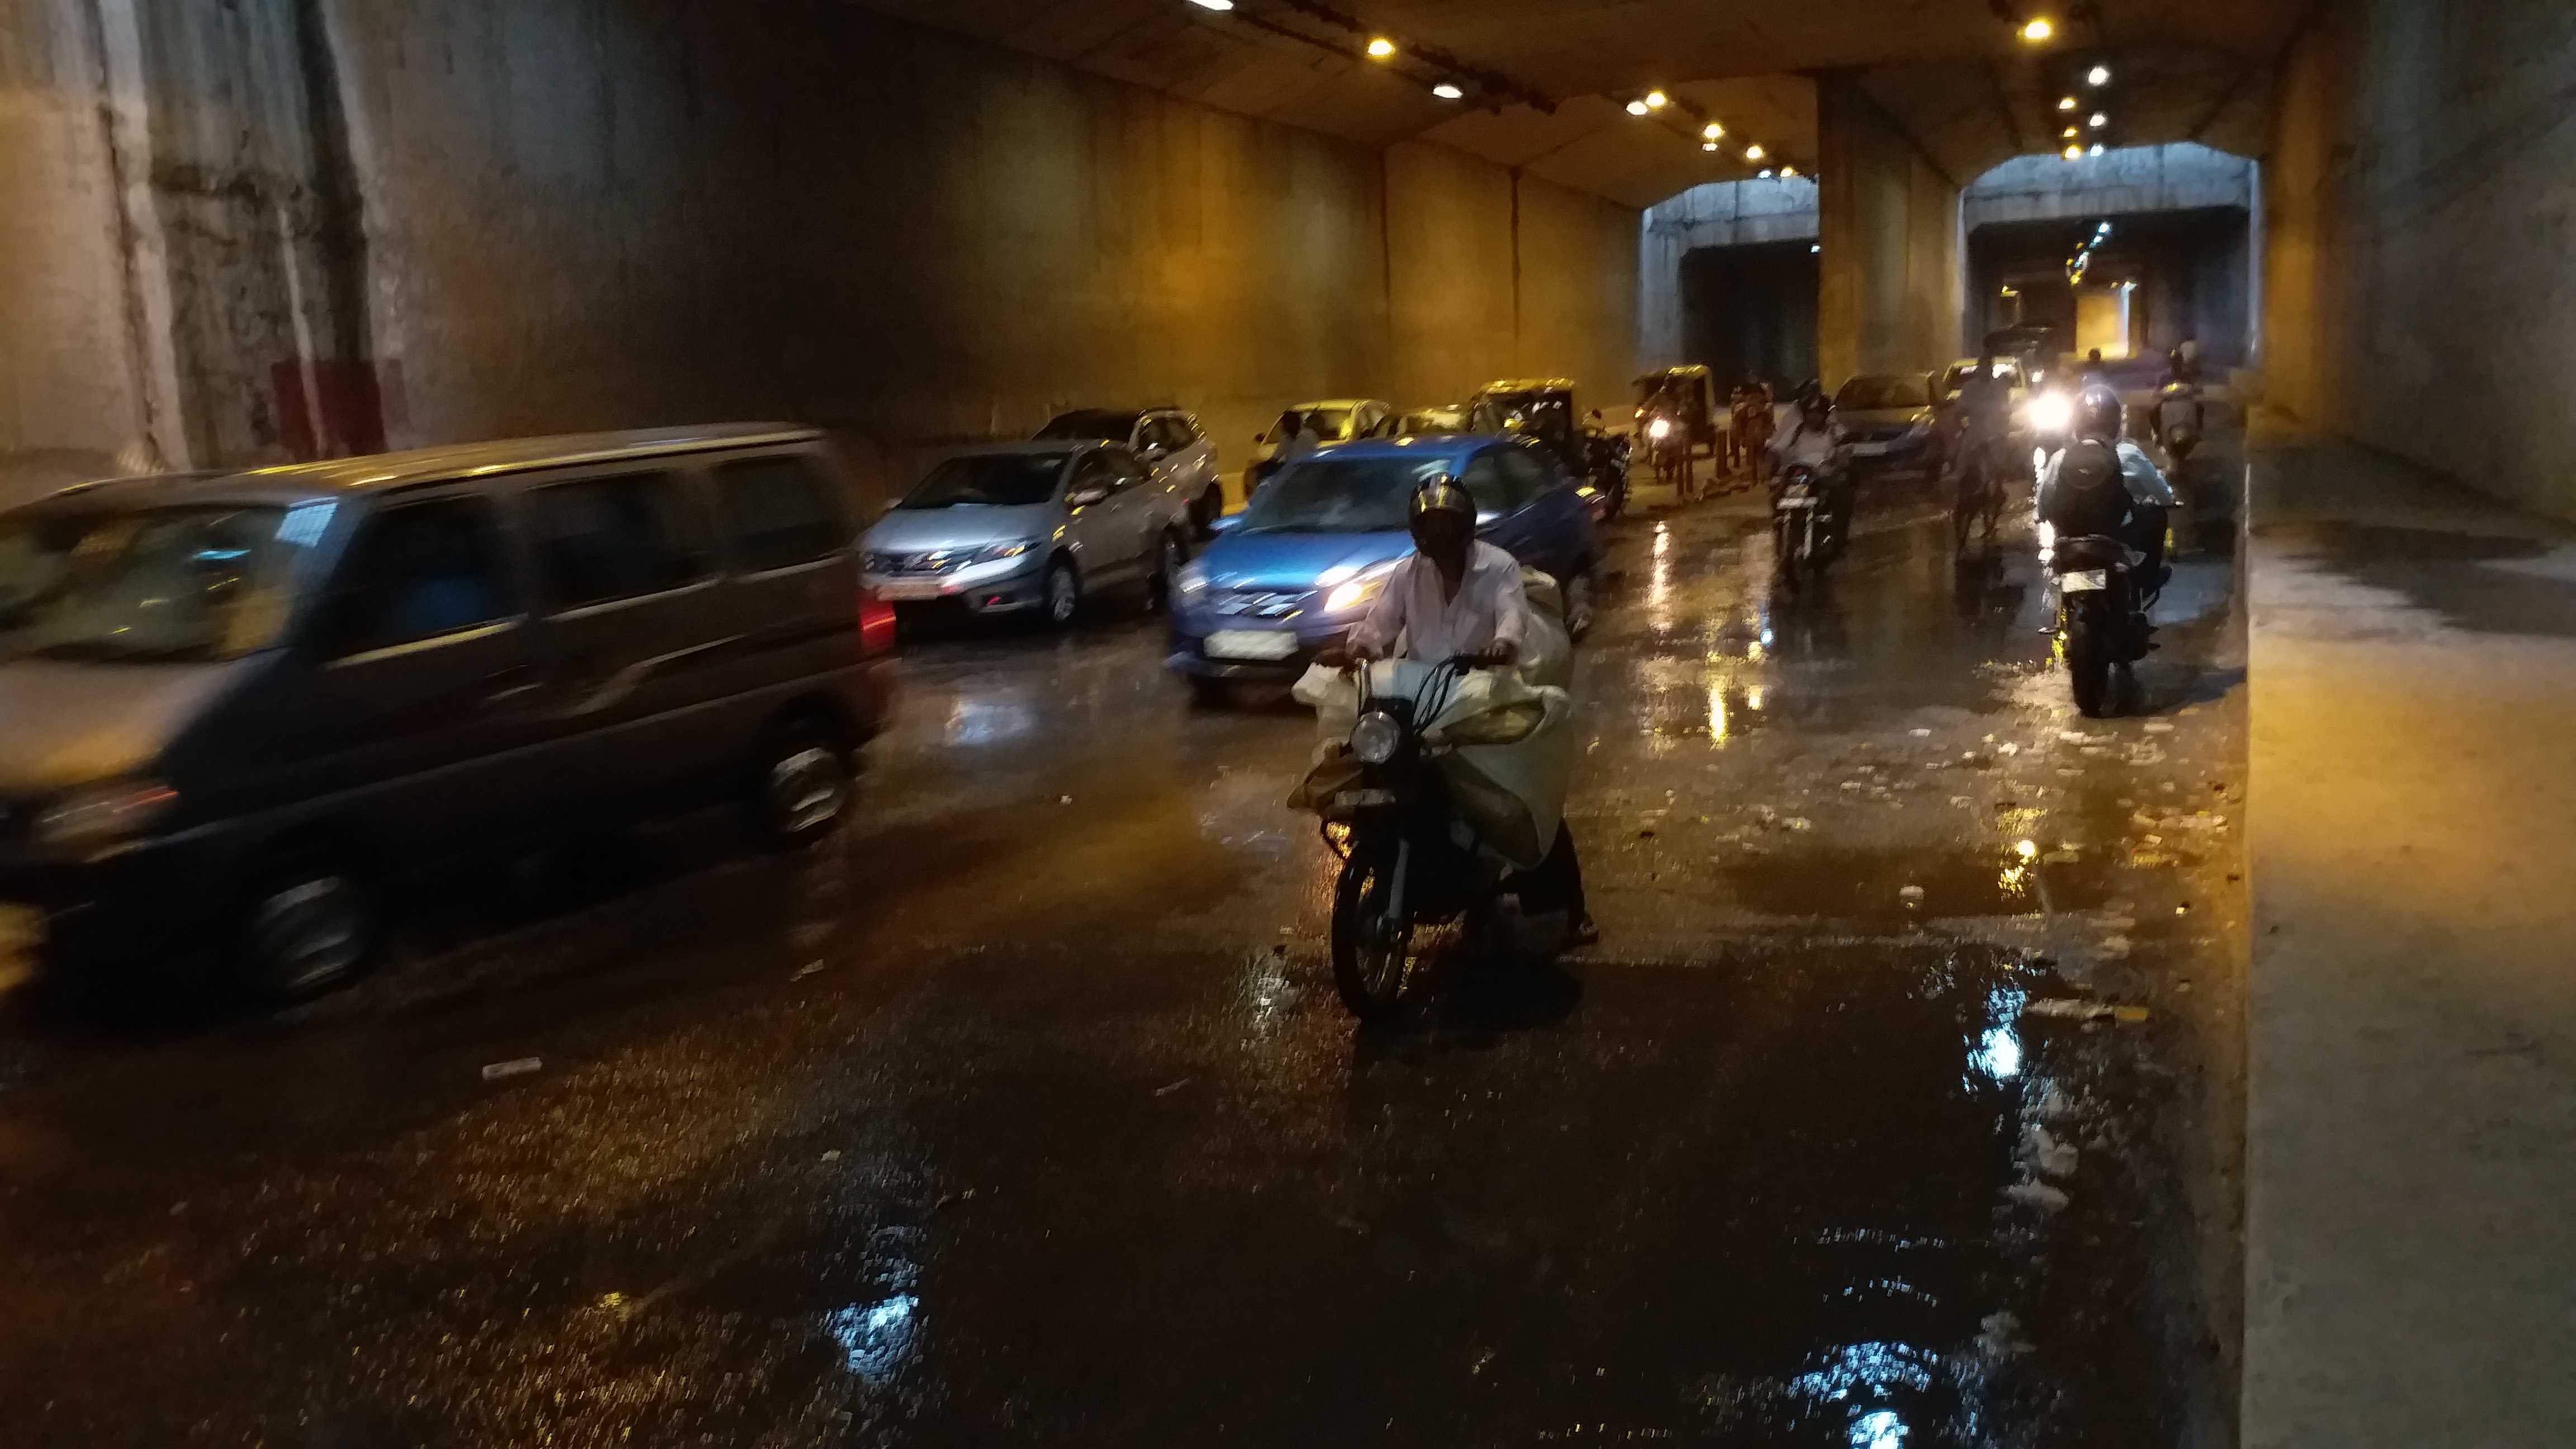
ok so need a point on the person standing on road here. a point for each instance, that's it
(1458, 596)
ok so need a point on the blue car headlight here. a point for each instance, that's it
(1192, 578)
(1347, 588)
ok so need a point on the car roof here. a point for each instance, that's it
(1345, 403)
(375, 472)
(1034, 446)
(1449, 447)
(1530, 384)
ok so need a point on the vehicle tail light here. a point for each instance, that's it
(876, 623)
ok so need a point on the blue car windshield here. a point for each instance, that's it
(994, 480)
(1340, 495)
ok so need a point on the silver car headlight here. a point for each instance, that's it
(1376, 738)
(995, 553)
(105, 815)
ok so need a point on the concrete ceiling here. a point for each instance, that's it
(1948, 72)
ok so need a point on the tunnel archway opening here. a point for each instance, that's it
(1749, 311)
(2130, 252)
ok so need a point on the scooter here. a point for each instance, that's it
(1607, 457)
(1405, 865)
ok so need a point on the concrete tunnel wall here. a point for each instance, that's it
(527, 217)
(2420, 197)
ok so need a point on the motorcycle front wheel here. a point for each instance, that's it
(1372, 958)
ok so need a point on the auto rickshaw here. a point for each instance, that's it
(1679, 420)
(1543, 408)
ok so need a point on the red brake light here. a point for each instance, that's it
(876, 623)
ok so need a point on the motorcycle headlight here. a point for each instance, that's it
(104, 815)
(995, 553)
(1659, 429)
(1376, 738)
(2051, 413)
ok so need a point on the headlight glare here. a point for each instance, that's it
(1352, 595)
(995, 553)
(1193, 577)
(1659, 429)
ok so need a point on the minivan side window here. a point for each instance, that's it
(419, 571)
(598, 540)
(779, 511)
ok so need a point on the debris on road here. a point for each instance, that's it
(515, 1067)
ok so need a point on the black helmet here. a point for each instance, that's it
(1440, 495)
(2097, 413)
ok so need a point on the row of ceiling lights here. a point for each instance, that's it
(2085, 126)
(1710, 134)
(1379, 47)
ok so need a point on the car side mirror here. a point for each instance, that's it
(1153, 453)
(1086, 495)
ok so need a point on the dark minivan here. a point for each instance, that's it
(237, 703)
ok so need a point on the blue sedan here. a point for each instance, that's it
(1294, 571)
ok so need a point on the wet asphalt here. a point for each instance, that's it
(1898, 1105)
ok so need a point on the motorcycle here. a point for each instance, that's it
(1804, 536)
(1607, 457)
(1409, 862)
(2101, 618)
(2179, 422)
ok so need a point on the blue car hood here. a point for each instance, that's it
(1290, 561)
(967, 525)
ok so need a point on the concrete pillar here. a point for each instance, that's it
(1891, 294)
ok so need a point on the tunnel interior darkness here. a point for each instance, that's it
(1750, 311)
(2192, 270)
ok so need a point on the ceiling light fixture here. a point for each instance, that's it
(1448, 92)
(2038, 30)
(1381, 48)
(1657, 100)
(1213, 4)
(1788, 173)
(2100, 120)
(1753, 152)
(1712, 130)
(2097, 148)
(2072, 133)
(2068, 103)
(1708, 145)
(2100, 75)
(1766, 173)
(2074, 153)
(1636, 108)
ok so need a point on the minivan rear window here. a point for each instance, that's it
(603, 539)
(779, 512)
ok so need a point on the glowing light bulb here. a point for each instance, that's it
(1381, 48)
(2100, 119)
(1448, 92)
(1657, 100)
(2038, 30)
(1753, 152)
(2067, 103)
(1712, 130)
(2100, 75)
(1636, 108)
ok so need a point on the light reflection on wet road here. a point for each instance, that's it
(1895, 1107)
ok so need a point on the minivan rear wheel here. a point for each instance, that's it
(309, 924)
(801, 785)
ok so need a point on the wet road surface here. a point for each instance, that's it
(1897, 1105)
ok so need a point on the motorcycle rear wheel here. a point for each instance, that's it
(2088, 663)
(1372, 965)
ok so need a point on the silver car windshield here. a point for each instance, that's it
(992, 480)
(180, 584)
(1340, 495)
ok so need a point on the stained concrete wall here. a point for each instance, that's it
(1720, 214)
(1890, 297)
(70, 396)
(510, 216)
(2420, 198)
(2181, 177)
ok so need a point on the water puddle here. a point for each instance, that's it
(1915, 884)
